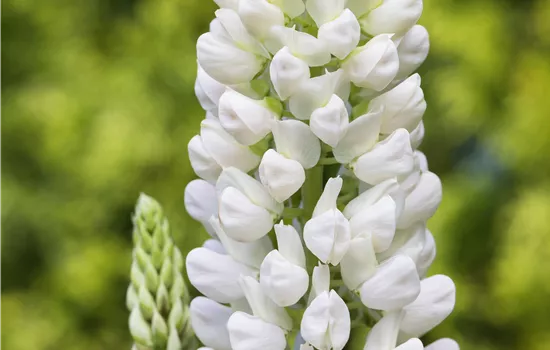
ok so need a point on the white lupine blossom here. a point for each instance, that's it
(312, 186)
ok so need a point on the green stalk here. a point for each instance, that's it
(311, 192)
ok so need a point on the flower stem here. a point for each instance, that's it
(328, 161)
(311, 192)
(291, 213)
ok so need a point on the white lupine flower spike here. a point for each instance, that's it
(312, 187)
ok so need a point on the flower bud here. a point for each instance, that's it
(295, 140)
(209, 321)
(383, 336)
(202, 162)
(201, 202)
(373, 65)
(208, 91)
(443, 344)
(394, 285)
(412, 50)
(247, 120)
(327, 233)
(329, 123)
(326, 322)
(284, 282)
(259, 16)
(404, 106)
(248, 332)
(341, 35)
(159, 329)
(323, 11)
(392, 16)
(423, 201)
(281, 176)
(225, 149)
(140, 330)
(434, 303)
(391, 157)
(287, 72)
(302, 45)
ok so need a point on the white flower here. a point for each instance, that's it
(320, 281)
(423, 201)
(246, 209)
(287, 72)
(246, 119)
(329, 122)
(201, 202)
(224, 149)
(411, 344)
(316, 92)
(359, 264)
(326, 322)
(228, 53)
(417, 135)
(383, 336)
(292, 8)
(327, 234)
(231, 4)
(281, 176)
(248, 332)
(295, 140)
(412, 50)
(282, 275)
(323, 11)
(394, 285)
(404, 106)
(302, 45)
(434, 303)
(259, 16)
(341, 35)
(392, 157)
(373, 65)
(443, 344)
(208, 90)
(209, 322)
(202, 162)
(392, 16)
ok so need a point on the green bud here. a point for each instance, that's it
(178, 290)
(145, 239)
(174, 342)
(158, 237)
(162, 299)
(151, 278)
(146, 303)
(142, 258)
(136, 276)
(160, 330)
(157, 257)
(167, 273)
(176, 318)
(177, 259)
(132, 299)
(139, 328)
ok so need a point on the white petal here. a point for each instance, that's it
(435, 302)
(295, 140)
(281, 176)
(323, 11)
(326, 322)
(289, 244)
(287, 72)
(423, 201)
(208, 90)
(209, 322)
(320, 281)
(413, 50)
(443, 344)
(408, 242)
(242, 220)
(329, 123)
(427, 255)
(383, 336)
(201, 202)
(253, 189)
(259, 16)
(394, 285)
(379, 220)
(327, 236)
(328, 198)
(404, 105)
(252, 333)
(411, 344)
(392, 16)
(225, 149)
(235, 28)
(341, 35)
(293, 8)
(360, 7)
(231, 4)
(314, 93)
(204, 165)
(373, 65)
(369, 197)
(284, 282)
(262, 306)
(302, 45)
(246, 119)
(361, 135)
(389, 158)
(251, 254)
(225, 62)
(215, 275)
(359, 263)
(214, 245)
(417, 135)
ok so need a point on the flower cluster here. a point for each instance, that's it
(312, 186)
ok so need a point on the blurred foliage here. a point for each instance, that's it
(98, 105)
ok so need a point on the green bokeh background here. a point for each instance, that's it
(98, 105)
